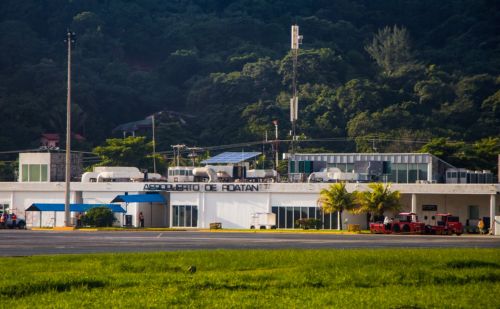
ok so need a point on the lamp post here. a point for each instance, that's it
(67, 214)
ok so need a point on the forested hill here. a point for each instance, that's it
(393, 69)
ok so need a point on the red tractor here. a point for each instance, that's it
(405, 222)
(448, 225)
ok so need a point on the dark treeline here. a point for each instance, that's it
(400, 70)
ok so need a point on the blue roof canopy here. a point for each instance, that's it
(231, 157)
(72, 207)
(139, 198)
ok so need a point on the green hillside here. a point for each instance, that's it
(394, 71)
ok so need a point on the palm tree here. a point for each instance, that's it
(337, 199)
(379, 200)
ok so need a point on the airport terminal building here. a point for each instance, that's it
(239, 205)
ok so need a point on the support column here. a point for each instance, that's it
(201, 212)
(429, 172)
(165, 211)
(414, 202)
(269, 206)
(492, 213)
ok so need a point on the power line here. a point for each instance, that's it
(44, 151)
(253, 143)
(330, 139)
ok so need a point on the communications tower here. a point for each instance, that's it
(294, 100)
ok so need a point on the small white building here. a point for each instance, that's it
(47, 166)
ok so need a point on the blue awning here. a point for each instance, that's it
(139, 198)
(72, 207)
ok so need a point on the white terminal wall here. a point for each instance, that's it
(234, 209)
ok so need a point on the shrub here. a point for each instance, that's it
(99, 217)
(308, 223)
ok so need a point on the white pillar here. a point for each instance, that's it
(492, 213)
(201, 212)
(11, 205)
(429, 171)
(165, 212)
(414, 203)
(269, 206)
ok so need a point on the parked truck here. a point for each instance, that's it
(405, 222)
(445, 225)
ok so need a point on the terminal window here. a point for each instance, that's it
(286, 216)
(185, 215)
(4, 208)
(34, 173)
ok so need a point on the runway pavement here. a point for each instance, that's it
(26, 242)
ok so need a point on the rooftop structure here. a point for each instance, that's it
(387, 167)
(47, 166)
(231, 157)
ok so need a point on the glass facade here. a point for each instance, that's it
(399, 172)
(408, 172)
(390, 167)
(4, 208)
(34, 173)
(344, 167)
(25, 173)
(286, 216)
(185, 215)
(402, 173)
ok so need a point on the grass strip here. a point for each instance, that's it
(373, 278)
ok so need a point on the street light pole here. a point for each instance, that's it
(154, 145)
(67, 214)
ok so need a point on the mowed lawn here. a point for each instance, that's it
(392, 278)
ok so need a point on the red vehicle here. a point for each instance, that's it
(405, 222)
(448, 225)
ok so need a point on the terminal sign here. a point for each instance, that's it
(209, 187)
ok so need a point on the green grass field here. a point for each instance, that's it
(399, 278)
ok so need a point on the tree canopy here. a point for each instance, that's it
(337, 199)
(401, 73)
(378, 200)
(130, 151)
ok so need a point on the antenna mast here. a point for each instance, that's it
(294, 101)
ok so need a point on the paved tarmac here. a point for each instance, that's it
(26, 242)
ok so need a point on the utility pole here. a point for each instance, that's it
(153, 126)
(276, 142)
(67, 214)
(294, 101)
(193, 153)
(178, 147)
(154, 143)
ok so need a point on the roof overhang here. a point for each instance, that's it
(139, 198)
(73, 207)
